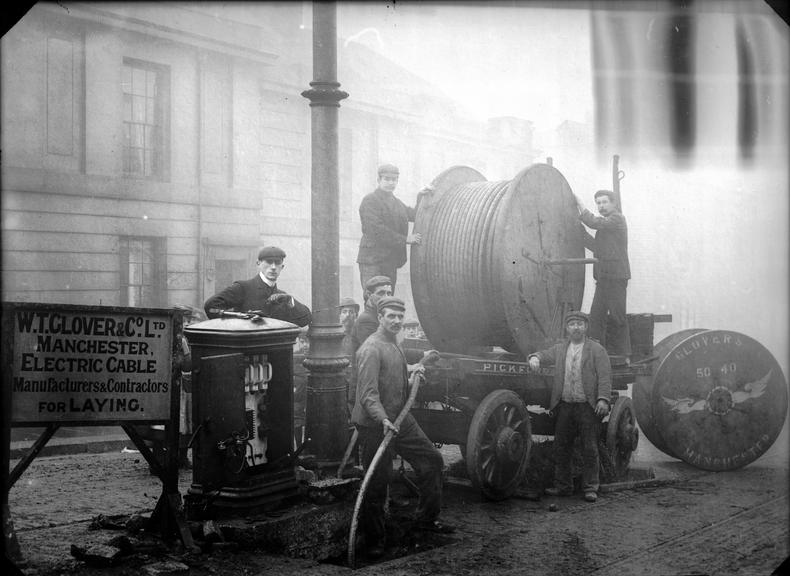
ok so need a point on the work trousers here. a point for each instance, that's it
(414, 447)
(368, 271)
(575, 419)
(608, 306)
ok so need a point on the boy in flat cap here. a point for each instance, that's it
(261, 293)
(579, 399)
(385, 229)
(382, 391)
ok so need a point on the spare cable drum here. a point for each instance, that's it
(492, 268)
(717, 399)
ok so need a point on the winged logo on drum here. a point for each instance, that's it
(749, 391)
(752, 389)
(685, 405)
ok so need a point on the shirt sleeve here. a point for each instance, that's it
(615, 220)
(603, 369)
(230, 298)
(299, 314)
(546, 357)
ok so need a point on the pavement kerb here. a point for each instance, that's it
(76, 445)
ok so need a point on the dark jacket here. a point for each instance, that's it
(596, 371)
(253, 294)
(366, 324)
(610, 245)
(382, 380)
(385, 226)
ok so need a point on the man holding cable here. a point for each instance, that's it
(382, 392)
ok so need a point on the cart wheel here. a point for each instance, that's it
(498, 444)
(622, 435)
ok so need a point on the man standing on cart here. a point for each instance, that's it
(382, 392)
(579, 400)
(385, 229)
(611, 272)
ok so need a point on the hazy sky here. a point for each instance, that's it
(522, 61)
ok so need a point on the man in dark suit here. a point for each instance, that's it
(385, 229)
(261, 293)
(611, 272)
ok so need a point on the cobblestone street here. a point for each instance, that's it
(695, 522)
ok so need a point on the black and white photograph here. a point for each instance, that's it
(411, 288)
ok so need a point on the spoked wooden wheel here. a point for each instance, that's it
(622, 435)
(498, 444)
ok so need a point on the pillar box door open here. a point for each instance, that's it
(242, 415)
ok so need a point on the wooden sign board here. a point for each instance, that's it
(89, 364)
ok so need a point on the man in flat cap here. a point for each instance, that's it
(367, 323)
(375, 288)
(579, 400)
(349, 310)
(385, 229)
(382, 392)
(611, 272)
(261, 293)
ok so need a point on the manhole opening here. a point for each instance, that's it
(402, 540)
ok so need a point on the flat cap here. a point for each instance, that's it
(608, 193)
(388, 169)
(391, 302)
(576, 315)
(270, 252)
(377, 281)
(348, 303)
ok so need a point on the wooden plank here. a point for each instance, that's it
(38, 445)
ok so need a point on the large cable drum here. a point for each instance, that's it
(498, 262)
(643, 389)
(717, 399)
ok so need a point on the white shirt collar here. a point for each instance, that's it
(266, 280)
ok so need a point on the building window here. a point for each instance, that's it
(145, 102)
(143, 269)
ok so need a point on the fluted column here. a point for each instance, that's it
(326, 422)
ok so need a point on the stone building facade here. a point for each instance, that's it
(150, 149)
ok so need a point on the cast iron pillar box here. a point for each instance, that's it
(242, 415)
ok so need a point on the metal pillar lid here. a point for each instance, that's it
(218, 330)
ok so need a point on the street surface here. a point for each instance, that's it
(725, 523)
